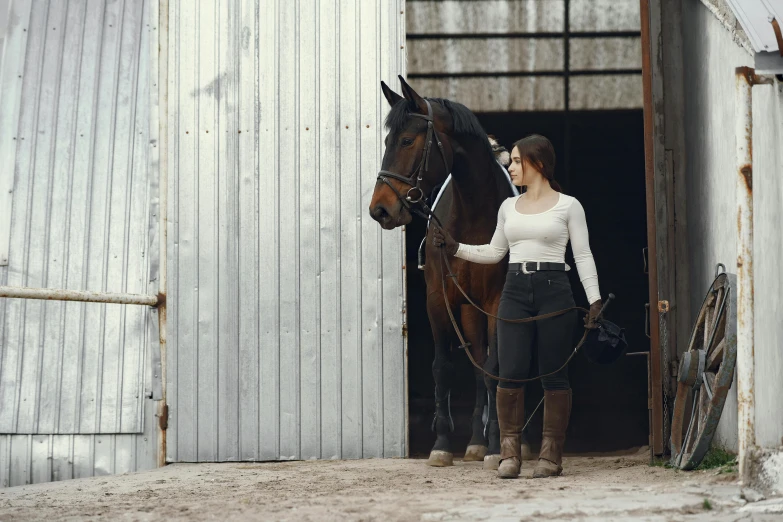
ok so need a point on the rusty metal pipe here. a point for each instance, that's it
(52, 294)
(746, 78)
(745, 348)
(161, 47)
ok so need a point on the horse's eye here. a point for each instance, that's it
(406, 142)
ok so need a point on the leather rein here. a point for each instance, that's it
(415, 204)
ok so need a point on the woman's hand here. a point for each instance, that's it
(590, 318)
(441, 238)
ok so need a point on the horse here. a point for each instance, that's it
(428, 139)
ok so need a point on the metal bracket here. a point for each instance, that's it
(163, 418)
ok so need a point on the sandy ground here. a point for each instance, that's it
(598, 488)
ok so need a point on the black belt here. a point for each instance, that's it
(528, 267)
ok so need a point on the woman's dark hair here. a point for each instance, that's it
(540, 153)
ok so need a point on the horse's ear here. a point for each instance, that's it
(413, 97)
(391, 96)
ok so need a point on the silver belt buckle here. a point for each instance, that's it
(524, 268)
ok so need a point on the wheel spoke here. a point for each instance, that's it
(688, 444)
(698, 329)
(716, 323)
(677, 417)
(711, 318)
(708, 385)
(715, 358)
(704, 402)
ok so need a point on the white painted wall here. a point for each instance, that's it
(711, 54)
(768, 284)
(710, 57)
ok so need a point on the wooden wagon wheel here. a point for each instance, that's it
(705, 375)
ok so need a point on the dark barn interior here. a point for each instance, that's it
(601, 163)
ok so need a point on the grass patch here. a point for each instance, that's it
(707, 505)
(661, 463)
(719, 459)
(715, 459)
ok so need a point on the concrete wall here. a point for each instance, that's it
(710, 56)
(768, 285)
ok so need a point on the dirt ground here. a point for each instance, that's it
(592, 488)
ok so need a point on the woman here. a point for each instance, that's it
(535, 227)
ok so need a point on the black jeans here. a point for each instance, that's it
(528, 295)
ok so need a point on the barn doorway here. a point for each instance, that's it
(601, 163)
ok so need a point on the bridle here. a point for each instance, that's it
(415, 194)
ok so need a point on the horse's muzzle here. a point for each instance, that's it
(389, 219)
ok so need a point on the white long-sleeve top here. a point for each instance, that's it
(540, 237)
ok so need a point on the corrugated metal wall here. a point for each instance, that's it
(285, 335)
(74, 141)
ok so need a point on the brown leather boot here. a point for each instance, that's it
(557, 410)
(511, 418)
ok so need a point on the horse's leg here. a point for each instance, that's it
(492, 458)
(474, 324)
(443, 425)
(443, 374)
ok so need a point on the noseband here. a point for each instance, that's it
(415, 194)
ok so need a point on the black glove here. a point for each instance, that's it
(441, 238)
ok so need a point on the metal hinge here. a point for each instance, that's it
(163, 418)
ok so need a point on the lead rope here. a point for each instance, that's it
(426, 212)
(466, 345)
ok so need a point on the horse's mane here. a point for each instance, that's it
(465, 122)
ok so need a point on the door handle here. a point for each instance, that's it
(647, 320)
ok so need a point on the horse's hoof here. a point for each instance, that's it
(491, 462)
(475, 453)
(527, 454)
(440, 459)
